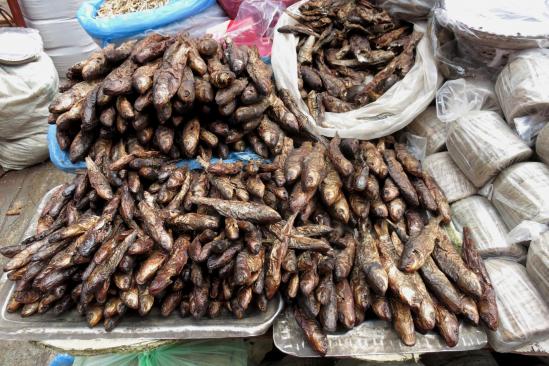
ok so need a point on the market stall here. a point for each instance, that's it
(344, 202)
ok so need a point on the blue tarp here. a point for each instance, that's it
(61, 160)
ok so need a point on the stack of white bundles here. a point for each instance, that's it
(523, 312)
(446, 173)
(521, 192)
(487, 228)
(537, 263)
(428, 125)
(542, 144)
(522, 85)
(65, 41)
(482, 145)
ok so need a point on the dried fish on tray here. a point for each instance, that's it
(69, 325)
(373, 337)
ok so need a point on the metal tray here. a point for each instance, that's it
(375, 337)
(73, 326)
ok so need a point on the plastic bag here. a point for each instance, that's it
(526, 231)
(116, 28)
(522, 84)
(481, 144)
(529, 127)
(542, 144)
(254, 24)
(197, 353)
(408, 9)
(446, 173)
(521, 192)
(428, 125)
(488, 31)
(25, 94)
(232, 7)
(395, 109)
(456, 98)
(523, 312)
(537, 264)
(487, 228)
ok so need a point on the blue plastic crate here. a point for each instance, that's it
(61, 160)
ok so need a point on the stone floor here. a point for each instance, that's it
(20, 192)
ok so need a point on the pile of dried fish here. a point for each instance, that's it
(138, 231)
(386, 249)
(173, 238)
(110, 8)
(177, 95)
(349, 53)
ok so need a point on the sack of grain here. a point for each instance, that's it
(482, 145)
(521, 192)
(446, 173)
(542, 144)
(428, 125)
(487, 228)
(537, 264)
(523, 312)
(522, 84)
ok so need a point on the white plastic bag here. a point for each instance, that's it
(428, 125)
(542, 144)
(522, 84)
(521, 192)
(44, 10)
(25, 94)
(481, 144)
(537, 264)
(395, 109)
(487, 228)
(456, 98)
(523, 312)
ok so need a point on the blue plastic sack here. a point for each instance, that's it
(119, 27)
(60, 158)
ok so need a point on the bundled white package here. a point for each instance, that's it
(448, 176)
(522, 84)
(487, 228)
(521, 192)
(60, 32)
(542, 144)
(537, 264)
(428, 125)
(523, 312)
(482, 145)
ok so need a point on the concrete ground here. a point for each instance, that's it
(20, 192)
